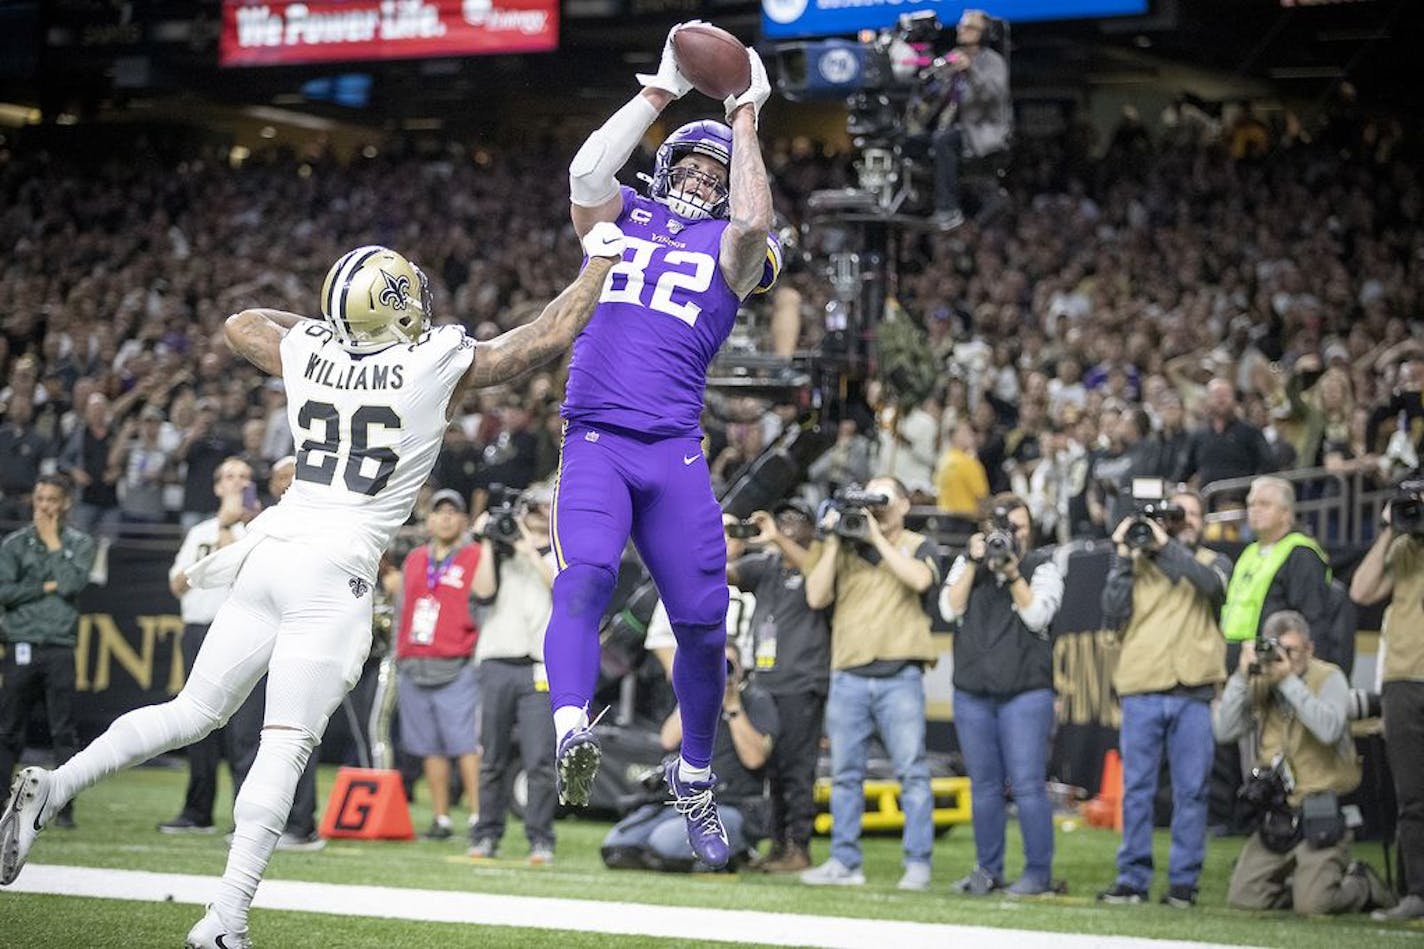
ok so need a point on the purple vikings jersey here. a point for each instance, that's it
(641, 363)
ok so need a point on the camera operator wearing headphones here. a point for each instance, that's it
(1004, 596)
(974, 115)
(877, 574)
(516, 722)
(1295, 706)
(1395, 567)
(1163, 593)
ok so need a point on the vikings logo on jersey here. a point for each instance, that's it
(396, 290)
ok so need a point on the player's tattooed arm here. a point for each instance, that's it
(256, 335)
(743, 251)
(514, 353)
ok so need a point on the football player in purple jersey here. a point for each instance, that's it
(697, 245)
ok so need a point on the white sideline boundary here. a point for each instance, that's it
(616, 919)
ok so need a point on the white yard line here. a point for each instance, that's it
(623, 919)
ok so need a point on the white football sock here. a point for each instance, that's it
(567, 718)
(261, 815)
(687, 772)
(137, 736)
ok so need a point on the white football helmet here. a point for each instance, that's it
(374, 298)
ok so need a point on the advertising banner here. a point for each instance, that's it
(784, 19)
(287, 32)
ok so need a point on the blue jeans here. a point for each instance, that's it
(894, 708)
(1181, 727)
(1005, 743)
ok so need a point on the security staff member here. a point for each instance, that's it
(42, 569)
(791, 650)
(1296, 706)
(1003, 693)
(232, 483)
(880, 645)
(1163, 597)
(1394, 567)
(1283, 570)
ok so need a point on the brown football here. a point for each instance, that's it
(713, 60)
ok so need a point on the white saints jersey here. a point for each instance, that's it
(368, 429)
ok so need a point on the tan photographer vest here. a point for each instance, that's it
(1315, 766)
(1172, 638)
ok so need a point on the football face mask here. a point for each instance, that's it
(688, 192)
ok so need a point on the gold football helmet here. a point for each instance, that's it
(374, 298)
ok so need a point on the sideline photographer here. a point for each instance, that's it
(516, 722)
(1394, 567)
(1004, 596)
(1296, 707)
(1163, 593)
(654, 836)
(791, 650)
(877, 575)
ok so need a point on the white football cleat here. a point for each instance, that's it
(24, 818)
(212, 933)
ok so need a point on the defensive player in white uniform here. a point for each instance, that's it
(369, 388)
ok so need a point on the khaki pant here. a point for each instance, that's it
(1312, 882)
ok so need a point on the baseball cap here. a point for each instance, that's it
(446, 496)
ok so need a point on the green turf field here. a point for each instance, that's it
(116, 829)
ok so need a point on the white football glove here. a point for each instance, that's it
(669, 78)
(757, 93)
(604, 239)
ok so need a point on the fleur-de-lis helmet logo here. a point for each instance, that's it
(396, 291)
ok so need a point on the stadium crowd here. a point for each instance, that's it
(1223, 301)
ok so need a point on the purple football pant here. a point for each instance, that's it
(612, 485)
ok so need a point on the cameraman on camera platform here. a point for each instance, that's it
(966, 108)
(878, 575)
(1296, 708)
(516, 722)
(1163, 593)
(1004, 595)
(1394, 567)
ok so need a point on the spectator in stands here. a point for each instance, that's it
(909, 446)
(961, 481)
(982, 113)
(1004, 601)
(438, 690)
(516, 722)
(1295, 705)
(85, 461)
(138, 454)
(21, 451)
(654, 836)
(1394, 568)
(43, 567)
(876, 587)
(204, 446)
(791, 661)
(847, 461)
(1163, 594)
(237, 504)
(1225, 447)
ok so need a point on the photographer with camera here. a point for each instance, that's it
(791, 660)
(654, 836)
(1004, 596)
(875, 576)
(1394, 567)
(516, 722)
(1295, 706)
(435, 673)
(966, 108)
(1163, 593)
